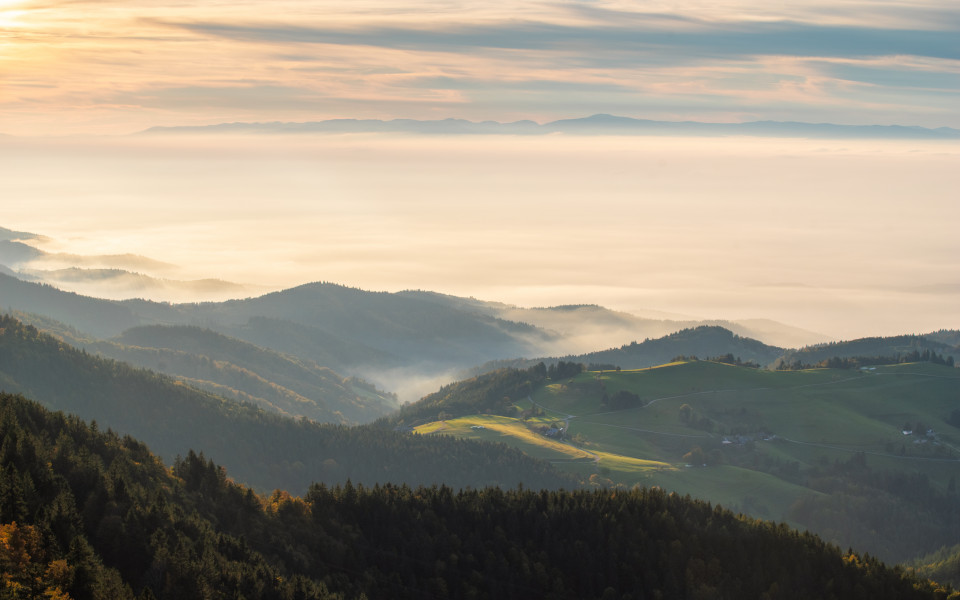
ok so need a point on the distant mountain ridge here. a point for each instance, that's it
(382, 337)
(595, 124)
(107, 276)
(584, 327)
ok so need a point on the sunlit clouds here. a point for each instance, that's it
(118, 67)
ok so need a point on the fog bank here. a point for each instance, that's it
(848, 238)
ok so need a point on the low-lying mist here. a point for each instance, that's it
(841, 237)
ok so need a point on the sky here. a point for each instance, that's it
(116, 66)
(843, 237)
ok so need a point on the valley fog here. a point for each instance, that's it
(844, 237)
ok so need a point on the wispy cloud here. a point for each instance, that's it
(703, 39)
(76, 65)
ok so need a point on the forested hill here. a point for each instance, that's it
(264, 450)
(951, 337)
(494, 392)
(243, 371)
(909, 348)
(87, 514)
(705, 341)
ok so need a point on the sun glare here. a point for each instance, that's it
(9, 15)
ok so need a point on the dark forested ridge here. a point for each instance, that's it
(264, 450)
(88, 514)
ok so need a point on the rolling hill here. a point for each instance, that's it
(823, 449)
(264, 450)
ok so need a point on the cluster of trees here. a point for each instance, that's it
(564, 370)
(100, 517)
(622, 399)
(730, 359)
(690, 417)
(954, 418)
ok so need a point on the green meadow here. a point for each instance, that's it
(734, 435)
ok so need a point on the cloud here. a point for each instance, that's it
(728, 40)
(236, 95)
(75, 65)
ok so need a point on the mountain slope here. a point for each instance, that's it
(246, 372)
(263, 450)
(90, 515)
(943, 565)
(100, 318)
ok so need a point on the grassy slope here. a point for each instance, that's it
(817, 416)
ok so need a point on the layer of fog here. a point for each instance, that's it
(848, 238)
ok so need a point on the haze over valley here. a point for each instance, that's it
(842, 237)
